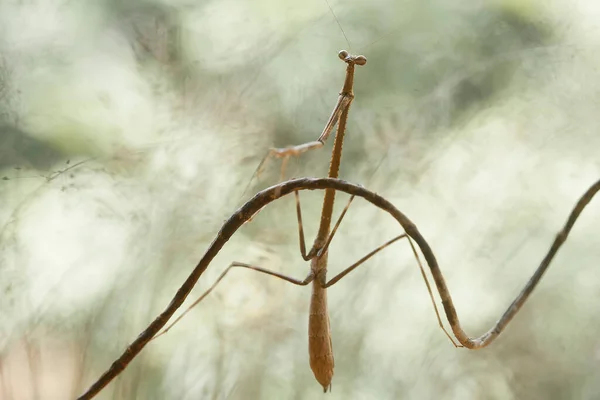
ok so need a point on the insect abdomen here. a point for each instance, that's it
(319, 337)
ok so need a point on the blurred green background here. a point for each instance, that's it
(129, 131)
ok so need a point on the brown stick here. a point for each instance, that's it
(273, 193)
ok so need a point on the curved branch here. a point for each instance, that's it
(248, 210)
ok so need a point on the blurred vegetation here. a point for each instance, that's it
(130, 130)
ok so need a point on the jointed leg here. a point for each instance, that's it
(298, 282)
(300, 228)
(335, 228)
(322, 250)
(351, 268)
(286, 152)
(437, 312)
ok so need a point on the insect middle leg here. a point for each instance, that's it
(295, 281)
(351, 268)
(318, 251)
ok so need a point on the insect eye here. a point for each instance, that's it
(360, 60)
(343, 54)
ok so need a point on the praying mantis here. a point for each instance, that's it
(320, 344)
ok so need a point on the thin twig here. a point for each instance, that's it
(273, 193)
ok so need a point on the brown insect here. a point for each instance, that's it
(319, 335)
(320, 344)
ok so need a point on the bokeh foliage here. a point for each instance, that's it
(477, 119)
